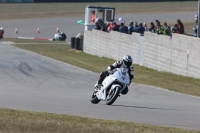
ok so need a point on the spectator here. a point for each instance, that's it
(108, 24)
(140, 29)
(100, 25)
(161, 30)
(145, 26)
(158, 25)
(121, 21)
(1, 33)
(60, 37)
(116, 26)
(152, 27)
(112, 26)
(135, 25)
(130, 28)
(175, 29)
(180, 26)
(195, 29)
(168, 29)
(93, 17)
(123, 28)
(64, 37)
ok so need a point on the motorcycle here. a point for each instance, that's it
(112, 86)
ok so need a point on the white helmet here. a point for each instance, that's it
(1, 28)
(97, 19)
(127, 59)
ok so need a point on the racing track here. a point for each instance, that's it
(34, 82)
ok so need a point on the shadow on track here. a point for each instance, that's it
(125, 106)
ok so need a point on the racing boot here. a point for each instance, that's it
(97, 86)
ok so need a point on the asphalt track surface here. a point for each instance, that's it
(48, 26)
(34, 82)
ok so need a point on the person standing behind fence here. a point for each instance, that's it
(130, 28)
(168, 29)
(180, 26)
(100, 25)
(116, 26)
(140, 29)
(152, 27)
(145, 26)
(123, 28)
(176, 29)
(135, 26)
(158, 25)
(161, 30)
(195, 29)
(1, 33)
(93, 17)
(112, 26)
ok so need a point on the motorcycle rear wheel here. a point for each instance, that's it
(94, 98)
(112, 96)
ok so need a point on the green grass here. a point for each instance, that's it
(49, 10)
(96, 64)
(14, 121)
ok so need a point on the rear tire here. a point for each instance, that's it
(94, 98)
(112, 96)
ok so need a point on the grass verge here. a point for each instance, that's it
(49, 10)
(14, 121)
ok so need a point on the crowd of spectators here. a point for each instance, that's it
(133, 26)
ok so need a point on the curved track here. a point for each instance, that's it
(33, 82)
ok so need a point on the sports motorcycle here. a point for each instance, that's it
(111, 87)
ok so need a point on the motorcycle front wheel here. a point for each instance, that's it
(94, 98)
(112, 95)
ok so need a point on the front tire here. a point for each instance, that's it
(112, 96)
(94, 98)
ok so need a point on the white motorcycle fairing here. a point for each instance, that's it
(119, 79)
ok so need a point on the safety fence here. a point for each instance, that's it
(179, 54)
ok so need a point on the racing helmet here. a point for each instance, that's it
(127, 59)
(97, 19)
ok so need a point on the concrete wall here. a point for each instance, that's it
(179, 54)
(112, 45)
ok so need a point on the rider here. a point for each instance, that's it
(125, 63)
